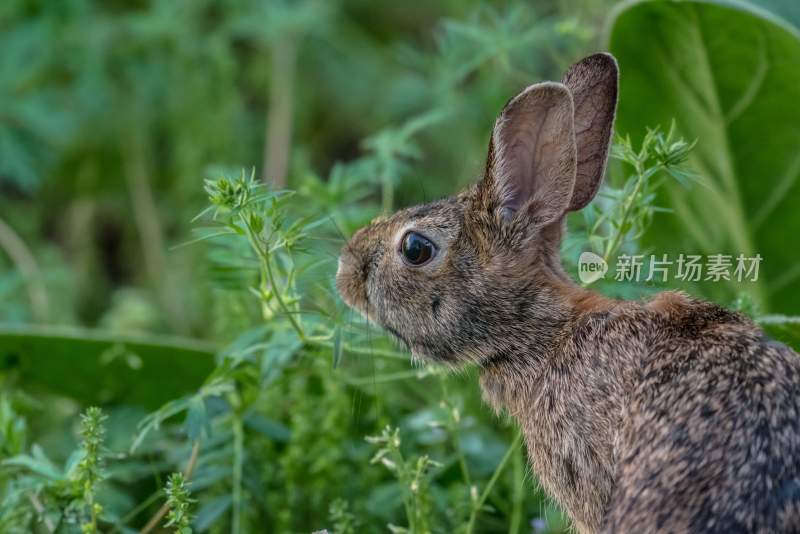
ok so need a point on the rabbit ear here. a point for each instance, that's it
(593, 83)
(532, 155)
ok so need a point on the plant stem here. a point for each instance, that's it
(39, 507)
(136, 511)
(276, 291)
(453, 427)
(626, 211)
(187, 474)
(266, 269)
(151, 236)
(238, 458)
(518, 487)
(279, 117)
(387, 192)
(92, 514)
(408, 500)
(490, 485)
(365, 351)
(22, 257)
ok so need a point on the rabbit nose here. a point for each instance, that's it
(348, 280)
(346, 262)
(348, 265)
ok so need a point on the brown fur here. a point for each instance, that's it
(672, 415)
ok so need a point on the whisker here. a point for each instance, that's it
(336, 226)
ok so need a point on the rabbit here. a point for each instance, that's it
(666, 415)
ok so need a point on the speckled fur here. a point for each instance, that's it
(672, 415)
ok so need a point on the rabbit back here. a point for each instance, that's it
(710, 438)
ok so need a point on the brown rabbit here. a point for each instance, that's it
(673, 415)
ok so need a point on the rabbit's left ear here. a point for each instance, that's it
(531, 165)
(593, 83)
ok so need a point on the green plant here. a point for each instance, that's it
(89, 470)
(342, 519)
(414, 477)
(67, 495)
(350, 111)
(178, 501)
(633, 205)
(620, 215)
(730, 95)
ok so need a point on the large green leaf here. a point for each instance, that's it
(729, 74)
(96, 368)
(784, 329)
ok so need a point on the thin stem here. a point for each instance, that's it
(277, 146)
(238, 459)
(626, 211)
(187, 475)
(518, 492)
(93, 514)
(136, 511)
(408, 502)
(454, 427)
(387, 192)
(24, 260)
(39, 507)
(365, 351)
(275, 290)
(266, 268)
(477, 506)
(151, 235)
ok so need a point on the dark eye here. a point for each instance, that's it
(417, 250)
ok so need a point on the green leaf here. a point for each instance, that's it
(210, 512)
(95, 368)
(38, 463)
(728, 74)
(784, 329)
(268, 427)
(197, 420)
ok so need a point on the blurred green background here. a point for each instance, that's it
(112, 115)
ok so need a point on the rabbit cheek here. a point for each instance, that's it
(436, 302)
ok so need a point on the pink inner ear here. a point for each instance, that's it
(534, 151)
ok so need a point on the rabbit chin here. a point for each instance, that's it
(431, 352)
(421, 350)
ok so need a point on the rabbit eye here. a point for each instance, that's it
(417, 249)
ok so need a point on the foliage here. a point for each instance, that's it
(262, 404)
(724, 71)
(178, 501)
(626, 212)
(89, 468)
(59, 496)
(413, 476)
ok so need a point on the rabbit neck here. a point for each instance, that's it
(566, 399)
(531, 349)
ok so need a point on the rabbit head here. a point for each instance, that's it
(459, 279)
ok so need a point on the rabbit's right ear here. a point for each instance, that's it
(593, 82)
